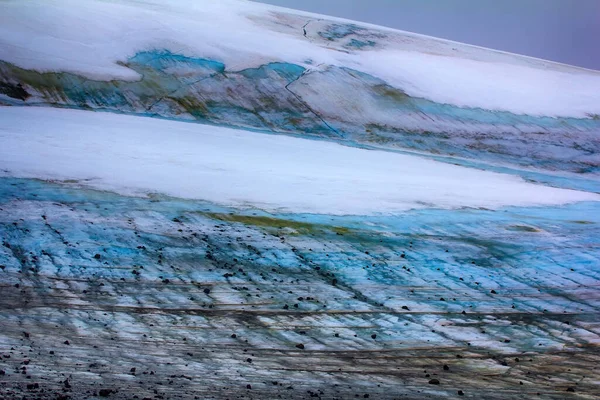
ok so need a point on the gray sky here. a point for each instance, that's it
(566, 31)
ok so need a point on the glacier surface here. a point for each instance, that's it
(289, 205)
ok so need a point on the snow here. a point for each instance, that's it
(93, 37)
(137, 155)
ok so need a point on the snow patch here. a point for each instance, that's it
(135, 155)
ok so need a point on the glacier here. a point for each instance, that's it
(226, 199)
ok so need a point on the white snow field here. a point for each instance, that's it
(136, 155)
(93, 38)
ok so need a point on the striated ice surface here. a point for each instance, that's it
(203, 300)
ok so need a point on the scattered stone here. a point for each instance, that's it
(446, 368)
(570, 389)
(374, 336)
(233, 335)
(105, 392)
(461, 393)
(206, 291)
(300, 346)
(493, 292)
(66, 342)
(97, 256)
(434, 381)
(405, 308)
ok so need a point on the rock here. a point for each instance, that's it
(374, 336)
(206, 291)
(570, 389)
(97, 256)
(461, 393)
(105, 392)
(446, 368)
(434, 381)
(300, 346)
